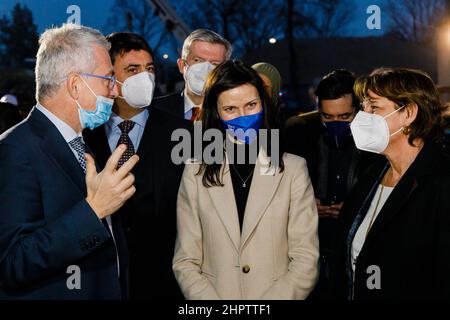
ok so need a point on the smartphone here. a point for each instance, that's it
(327, 202)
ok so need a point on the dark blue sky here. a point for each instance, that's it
(94, 13)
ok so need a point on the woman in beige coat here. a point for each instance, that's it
(246, 229)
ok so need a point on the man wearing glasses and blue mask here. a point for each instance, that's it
(324, 139)
(202, 51)
(148, 217)
(57, 238)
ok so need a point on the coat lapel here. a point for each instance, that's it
(225, 204)
(54, 145)
(405, 188)
(265, 182)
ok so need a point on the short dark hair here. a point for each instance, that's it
(408, 86)
(335, 85)
(229, 75)
(123, 42)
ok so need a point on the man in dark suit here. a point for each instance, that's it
(324, 139)
(57, 238)
(149, 217)
(202, 51)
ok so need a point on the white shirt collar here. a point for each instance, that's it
(66, 131)
(140, 119)
(188, 104)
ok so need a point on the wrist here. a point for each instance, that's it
(94, 208)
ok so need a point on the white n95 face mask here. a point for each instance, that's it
(196, 76)
(371, 131)
(138, 90)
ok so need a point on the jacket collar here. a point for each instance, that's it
(54, 145)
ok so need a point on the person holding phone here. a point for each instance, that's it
(324, 139)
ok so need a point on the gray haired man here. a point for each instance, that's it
(202, 51)
(57, 238)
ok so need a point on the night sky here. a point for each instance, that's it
(95, 13)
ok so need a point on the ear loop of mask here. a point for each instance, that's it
(76, 100)
(392, 114)
(121, 83)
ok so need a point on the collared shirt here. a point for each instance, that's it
(69, 134)
(66, 131)
(113, 131)
(188, 105)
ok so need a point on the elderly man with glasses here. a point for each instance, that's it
(57, 237)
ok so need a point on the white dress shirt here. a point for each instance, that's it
(113, 131)
(188, 105)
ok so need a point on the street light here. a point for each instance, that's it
(443, 54)
(165, 56)
(272, 40)
(446, 31)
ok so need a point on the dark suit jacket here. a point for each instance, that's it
(172, 104)
(149, 216)
(409, 240)
(45, 223)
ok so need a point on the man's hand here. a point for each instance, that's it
(331, 211)
(108, 190)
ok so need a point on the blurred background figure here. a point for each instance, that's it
(446, 116)
(202, 51)
(324, 138)
(9, 98)
(271, 78)
(9, 116)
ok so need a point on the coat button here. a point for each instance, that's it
(246, 269)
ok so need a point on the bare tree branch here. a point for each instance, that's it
(415, 20)
(138, 16)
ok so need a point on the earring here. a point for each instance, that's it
(406, 130)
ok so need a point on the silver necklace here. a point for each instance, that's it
(244, 182)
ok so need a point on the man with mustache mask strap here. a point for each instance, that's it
(202, 51)
(149, 216)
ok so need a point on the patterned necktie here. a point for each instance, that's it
(195, 113)
(78, 145)
(126, 126)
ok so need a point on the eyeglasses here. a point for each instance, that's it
(112, 79)
(366, 103)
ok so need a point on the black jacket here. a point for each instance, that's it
(171, 103)
(410, 239)
(149, 217)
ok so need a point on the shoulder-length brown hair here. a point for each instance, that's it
(407, 86)
(229, 75)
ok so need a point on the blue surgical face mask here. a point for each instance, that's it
(337, 133)
(101, 114)
(245, 128)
